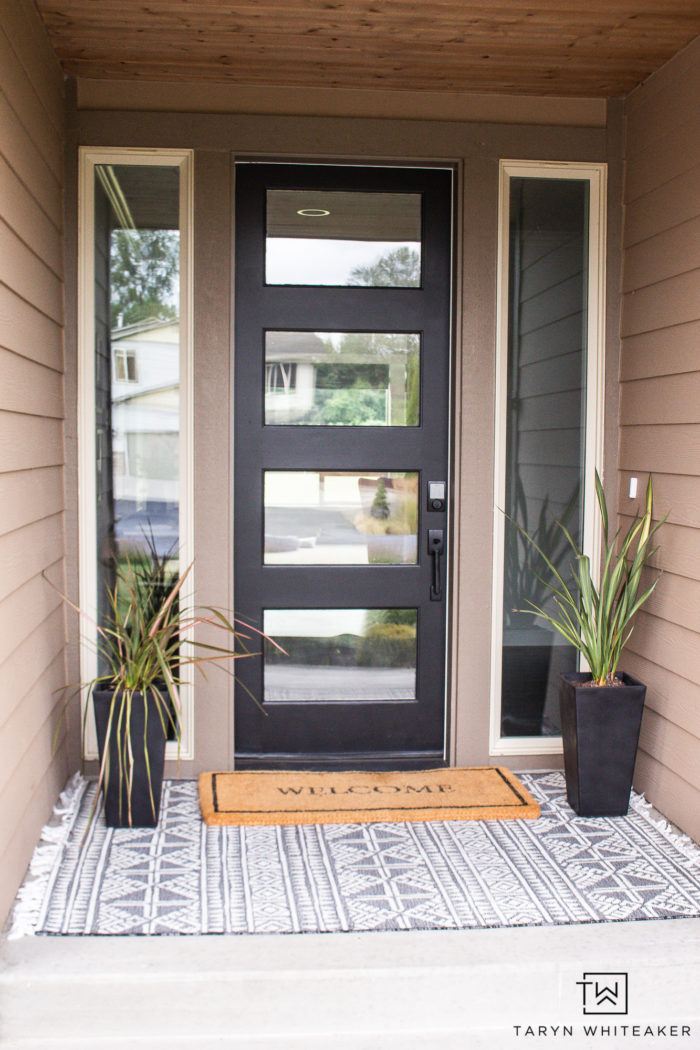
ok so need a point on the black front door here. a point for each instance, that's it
(342, 366)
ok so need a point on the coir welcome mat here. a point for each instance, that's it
(300, 797)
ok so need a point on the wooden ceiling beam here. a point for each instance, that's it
(548, 84)
(597, 60)
(125, 38)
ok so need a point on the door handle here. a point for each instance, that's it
(436, 548)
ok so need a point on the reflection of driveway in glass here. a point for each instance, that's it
(297, 682)
(327, 525)
(315, 555)
(134, 531)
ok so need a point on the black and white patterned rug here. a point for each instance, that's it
(187, 878)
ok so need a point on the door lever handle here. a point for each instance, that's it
(436, 548)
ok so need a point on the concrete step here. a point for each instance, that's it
(416, 991)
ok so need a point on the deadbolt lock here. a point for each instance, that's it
(437, 495)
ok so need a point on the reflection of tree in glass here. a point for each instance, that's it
(350, 408)
(399, 268)
(144, 270)
(380, 504)
(365, 386)
(405, 616)
(342, 376)
(379, 346)
(389, 639)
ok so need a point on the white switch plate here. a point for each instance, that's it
(633, 488)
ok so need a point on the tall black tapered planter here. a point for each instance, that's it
(147, 735)
(600, 730)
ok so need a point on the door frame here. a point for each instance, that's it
(454, 384)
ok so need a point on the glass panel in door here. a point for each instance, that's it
(331, 237)
(369, 379)
(340, 654)
(339, 517)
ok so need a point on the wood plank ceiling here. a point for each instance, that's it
(597, 48)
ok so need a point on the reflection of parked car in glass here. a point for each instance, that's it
(146, 432)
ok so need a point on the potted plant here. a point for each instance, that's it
(144, 642)
(601, 709)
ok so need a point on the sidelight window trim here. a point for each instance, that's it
(88, 159)
(596, 176)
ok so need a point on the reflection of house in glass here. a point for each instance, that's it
(341, 378)
(146, 431)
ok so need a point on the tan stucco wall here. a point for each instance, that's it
(660, 418)
(475, 149)
(32, 664)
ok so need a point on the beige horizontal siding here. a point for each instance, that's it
(28, 332)
(669, 101)
(34, 711)
(31, 223)
(32, 617)
(663, 786)
(675, 153)
(661, 736)
(642, 357)
(45, 383)
(17, 798)
(660, 419)
(23, 156)
(679, 552)
(28, 550)
(663, 399)
(42, 488)
(23, 612)
(27, 441)
(659, 306)
(669, 694)
(19, 91)
(675, 495)
(659, 448)
(672, 252)
(676, 599)
(661, 209)
(666, 644)
(25, 804)
(28, 275)
(34, 54)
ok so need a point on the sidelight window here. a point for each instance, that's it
(135, 361)
(550, 350)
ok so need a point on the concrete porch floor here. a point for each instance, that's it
(426, 990)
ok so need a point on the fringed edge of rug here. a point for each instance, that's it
(683, 843)
(46, 858)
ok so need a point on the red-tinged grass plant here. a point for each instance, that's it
(597, 620)
(143, 643)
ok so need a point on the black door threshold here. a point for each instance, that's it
(377, 761)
